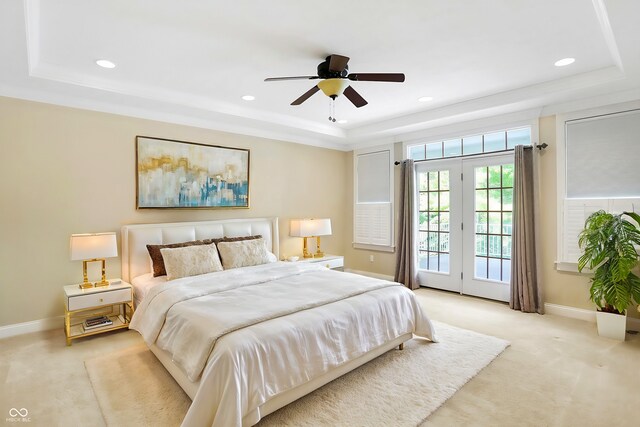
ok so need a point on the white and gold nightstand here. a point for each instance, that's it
(334, 262)
(114, 301)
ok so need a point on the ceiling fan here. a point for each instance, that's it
(334, 73)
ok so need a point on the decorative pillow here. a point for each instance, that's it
(157, 261)
(191, 260)
(243, 253)
(156, 256)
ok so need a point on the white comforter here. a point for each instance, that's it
(249, 334)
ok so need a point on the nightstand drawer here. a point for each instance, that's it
(333, 263)
(78, 302)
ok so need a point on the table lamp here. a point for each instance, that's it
(90, 248)
(310, 228)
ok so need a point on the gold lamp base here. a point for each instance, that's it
(305, 251)
(86, 283)
(319, 253)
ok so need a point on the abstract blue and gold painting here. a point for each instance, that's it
(178, 174)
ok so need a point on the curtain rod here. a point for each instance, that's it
(526, 147)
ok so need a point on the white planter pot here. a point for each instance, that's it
(612, 325)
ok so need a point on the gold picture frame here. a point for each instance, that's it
(172, 174)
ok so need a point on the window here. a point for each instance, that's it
(373, 194)
(597, 169)
(474, 144)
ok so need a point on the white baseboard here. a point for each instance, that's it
(582, 314)
(33, 326)
(369, 274)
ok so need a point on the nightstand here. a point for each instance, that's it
(334, 262)
(114, 301)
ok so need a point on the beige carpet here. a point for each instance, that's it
(400, 388)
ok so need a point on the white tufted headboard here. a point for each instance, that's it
(136, 237)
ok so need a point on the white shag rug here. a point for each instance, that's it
(399, 388)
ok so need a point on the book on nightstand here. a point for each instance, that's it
(96, 322)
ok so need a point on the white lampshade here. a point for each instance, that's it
(93, 246)
(310, 227)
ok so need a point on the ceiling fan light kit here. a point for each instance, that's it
(335, 77)
(333, 87)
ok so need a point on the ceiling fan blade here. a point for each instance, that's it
(337, 62)
(354, 97)
(277, 79)
(377, 77)
(306, 95)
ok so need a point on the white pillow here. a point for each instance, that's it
(243, 253)
(190, 260)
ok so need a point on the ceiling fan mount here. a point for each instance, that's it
(325, 71)
(335, 76)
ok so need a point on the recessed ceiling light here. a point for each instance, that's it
(249, 97)
(104, 63)
(425, 98)
(565, 61)
(343, 121)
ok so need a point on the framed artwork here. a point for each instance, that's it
(178, 174)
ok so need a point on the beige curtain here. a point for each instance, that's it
(526, 291)
(407, 253)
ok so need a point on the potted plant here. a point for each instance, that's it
(609, 245)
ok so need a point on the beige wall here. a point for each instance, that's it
(563, 288)
(70, 171)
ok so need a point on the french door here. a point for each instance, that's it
(465, 221)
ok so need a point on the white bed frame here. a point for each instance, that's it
(136, 262)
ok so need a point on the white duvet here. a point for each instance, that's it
(249, 334)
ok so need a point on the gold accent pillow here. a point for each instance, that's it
(243, 253)
(191, 260)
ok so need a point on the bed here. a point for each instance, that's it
(245, 342)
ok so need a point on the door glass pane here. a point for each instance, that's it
(494, 222)
(444, 221)
(494, 200)
(444, 201)
(433, 201)
(422, 260)
(424, 201)
(423, 221)
(507, 199)
(507, 175)
(423, 182)
(482, 225)
(495, 177)
(495, 269)
(481, 267)
(433, 181)
(481, 200)
(481, 177)
(506, 270)
(433, 221)
(493, 225)
(506, 223)
(444, 180)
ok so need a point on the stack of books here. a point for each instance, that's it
(96, 322)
